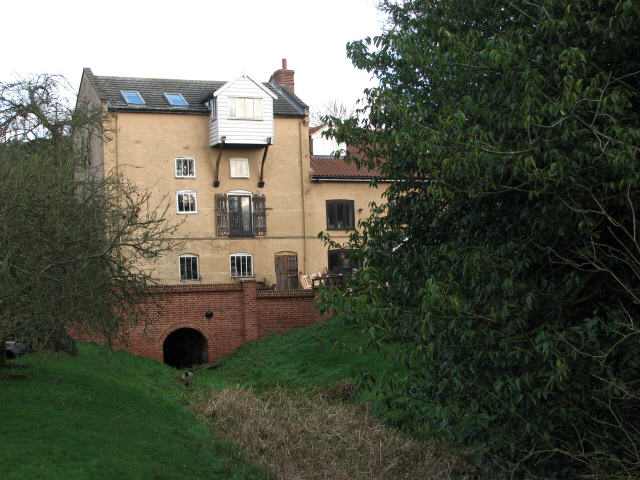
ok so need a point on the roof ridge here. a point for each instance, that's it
(117, 77)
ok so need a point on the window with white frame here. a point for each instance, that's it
(189, 267)
(213, 106)
(186, 201)
(239, 167)
(241, 265)
(185, 167)
(243, 108)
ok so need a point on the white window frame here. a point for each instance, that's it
(175, 167)
(234, 108)
(213, 106)
(195, 201)
(190, 256)
(242, 164)
(232, 257)
(167, 94)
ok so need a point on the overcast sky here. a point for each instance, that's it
(192, 39)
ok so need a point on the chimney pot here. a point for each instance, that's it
(284, 76)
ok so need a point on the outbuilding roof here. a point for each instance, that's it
(330, 168)
(195, 92)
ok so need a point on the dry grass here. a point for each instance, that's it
(299, 436)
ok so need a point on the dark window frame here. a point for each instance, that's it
(256, 215)
(339, 261)
(336, 209)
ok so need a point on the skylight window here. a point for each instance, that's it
(132, 97)
(176, 99)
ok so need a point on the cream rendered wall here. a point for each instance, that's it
(95, 167)
(144, 149)
(362, 195)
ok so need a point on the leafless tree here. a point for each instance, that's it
(71, 247)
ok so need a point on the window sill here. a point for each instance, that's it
(186, 213)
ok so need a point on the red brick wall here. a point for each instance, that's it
(240, 314)
(282, 311)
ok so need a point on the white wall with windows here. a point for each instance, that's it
(323, 146)
(242, 113)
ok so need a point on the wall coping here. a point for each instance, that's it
(285, 294)
(196, 287)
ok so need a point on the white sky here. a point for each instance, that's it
(192, 39)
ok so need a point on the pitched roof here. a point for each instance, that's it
(327, 168)
(313, 130)
(195, 92)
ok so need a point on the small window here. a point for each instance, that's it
(186, 201)
(176, 99)
(242, 108)
(239, 167)
(340, 215)
(189, 267)
(213, 106)
(241, 265)
(132, 97)
(185, 167)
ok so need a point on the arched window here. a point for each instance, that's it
(189, 267)
(186, 201)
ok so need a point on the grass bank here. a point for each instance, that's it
(105, 415)
(295, 405)
(319, 355)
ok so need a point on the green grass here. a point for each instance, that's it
(320, 355)
(105, 415)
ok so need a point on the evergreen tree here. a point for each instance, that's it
(506, 257)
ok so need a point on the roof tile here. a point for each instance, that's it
(195, 92)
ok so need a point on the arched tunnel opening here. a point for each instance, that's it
(184, 347)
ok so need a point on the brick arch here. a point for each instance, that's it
(177, 326)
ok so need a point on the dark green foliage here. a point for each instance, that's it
(507, 258)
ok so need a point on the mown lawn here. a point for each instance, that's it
(105, 415)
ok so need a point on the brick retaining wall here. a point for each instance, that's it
(240, 314)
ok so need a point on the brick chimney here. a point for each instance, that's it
(284, 76)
